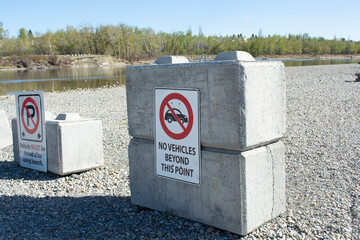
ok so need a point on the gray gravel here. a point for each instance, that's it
(322, 167)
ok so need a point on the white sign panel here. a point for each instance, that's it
(31, 129)
(177, 141)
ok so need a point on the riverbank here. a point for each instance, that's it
(311, 56)
(58, 62)
(322, 171)
(71, 61)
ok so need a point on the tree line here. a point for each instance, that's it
(133, 43)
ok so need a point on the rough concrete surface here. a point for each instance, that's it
(238, 191)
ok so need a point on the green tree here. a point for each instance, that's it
(133, 43)
(3, 32)
(22, 34)
(23, 44)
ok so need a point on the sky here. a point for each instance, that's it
(318, 18)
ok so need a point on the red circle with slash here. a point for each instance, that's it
(36, 124)
(187, 129)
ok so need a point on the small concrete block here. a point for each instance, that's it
(239, 191)
(234, 55)
(5, 131)
(171, 60)
(242, 103)
(15, 140)
(74, 145)
(68, 116)
(48, 116)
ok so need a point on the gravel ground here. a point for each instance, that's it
(322, 167)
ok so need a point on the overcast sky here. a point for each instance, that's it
(325, 18)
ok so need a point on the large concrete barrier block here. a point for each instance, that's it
(242, 103)
(74, 144)
(5, 131)
(239, 191)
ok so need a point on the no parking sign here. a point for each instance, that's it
(31, 130)
(177, 131)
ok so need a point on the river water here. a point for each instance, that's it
(309, 62)
(60, 79)
(93, 77)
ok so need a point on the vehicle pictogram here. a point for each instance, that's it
(170, 117)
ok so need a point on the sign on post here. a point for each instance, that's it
(31, 129)
(177, 141)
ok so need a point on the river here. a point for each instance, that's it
(60, 79)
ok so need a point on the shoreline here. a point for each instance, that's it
(310, 56)
(109, 61)
(60, 62)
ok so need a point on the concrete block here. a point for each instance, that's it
(263, 182)
(234, 55)
(73, 144)
(239, 191)
(171, 60)
(15, 140)
(48, 116)
(5, 131)
(68, 116)
(242, 103)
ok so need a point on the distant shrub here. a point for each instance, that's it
(54, 60)
(39, 58)
(23, 61)
(65, 61)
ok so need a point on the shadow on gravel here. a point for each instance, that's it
(11, 170)
(93, 217)
(63, 217)
(352, 81)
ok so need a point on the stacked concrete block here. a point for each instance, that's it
(5, 131)
(73, 144)
(238, 192)
(243, 117)
(242, 102)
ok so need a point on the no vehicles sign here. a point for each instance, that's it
(177, 142)
(31, 130)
